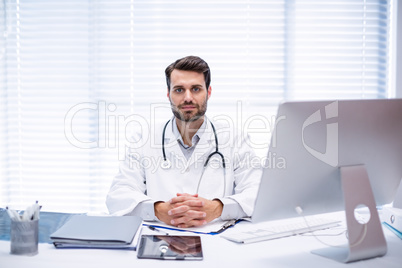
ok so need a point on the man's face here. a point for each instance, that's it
(188, 95)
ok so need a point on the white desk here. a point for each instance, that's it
(218, 252)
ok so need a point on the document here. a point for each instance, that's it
(392, 229)
(108, 232)
(212, 228)
(392, 219)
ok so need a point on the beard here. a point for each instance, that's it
(189, 116)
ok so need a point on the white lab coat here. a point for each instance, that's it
(141, 179)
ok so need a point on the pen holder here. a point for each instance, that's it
(24, 237)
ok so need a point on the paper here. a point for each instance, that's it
(209, 228)
(395, 231)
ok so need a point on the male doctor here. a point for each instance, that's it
(199, 173)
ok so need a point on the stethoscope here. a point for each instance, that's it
(166, 164)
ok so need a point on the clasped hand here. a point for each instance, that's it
(186, 210)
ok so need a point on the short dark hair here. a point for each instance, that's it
(189, 63)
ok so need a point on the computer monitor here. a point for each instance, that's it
(313, 139)
(323, 153)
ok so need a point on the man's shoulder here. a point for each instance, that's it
(225, 126)
(229, 136)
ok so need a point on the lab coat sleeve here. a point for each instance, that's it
(145, 210)
(247, 170)
(126, 195)
(231, 209)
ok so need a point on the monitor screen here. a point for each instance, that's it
(313, 139)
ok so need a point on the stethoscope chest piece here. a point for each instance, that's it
(166, 164)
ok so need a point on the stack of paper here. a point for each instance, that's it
(109, 232)
(393, 220)
(212, 228)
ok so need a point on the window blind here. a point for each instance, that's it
(338, 49)
(77, 76)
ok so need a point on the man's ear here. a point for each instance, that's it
(209, 92)
(168, 93)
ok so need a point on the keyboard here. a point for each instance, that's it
(272, 230)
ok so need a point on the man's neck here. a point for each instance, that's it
(188, 129)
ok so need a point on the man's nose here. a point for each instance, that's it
(188, 96)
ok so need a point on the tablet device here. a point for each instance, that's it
(170, 247)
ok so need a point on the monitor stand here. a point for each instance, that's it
(365, 240)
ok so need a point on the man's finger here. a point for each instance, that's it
(180, 199)
(194, 203)
(192, 223)
(178, 210)
(186, 194)
(187, 219)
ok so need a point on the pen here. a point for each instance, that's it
(31, 213)
(227, 225)
(14, 216)
(157, 230)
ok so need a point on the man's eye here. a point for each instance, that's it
(196, 89)
(179, 90)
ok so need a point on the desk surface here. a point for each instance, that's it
(218, 252)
